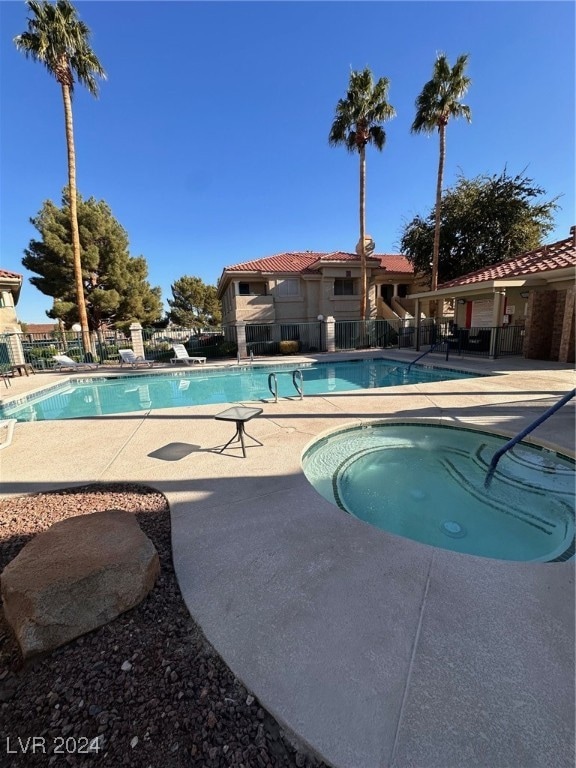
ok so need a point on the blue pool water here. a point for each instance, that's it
(426, 482)
(99, 396)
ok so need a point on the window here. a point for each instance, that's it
(244, 289)
(343, 286)
(288, 287)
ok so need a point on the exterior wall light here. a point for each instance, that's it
(461, 301)
(524, 294)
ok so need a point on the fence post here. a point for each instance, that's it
(137, 339)
(241, 338)
(330, 334)
(494, 341)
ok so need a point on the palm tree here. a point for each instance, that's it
(437, 103)
(59, 40)
(358, 122)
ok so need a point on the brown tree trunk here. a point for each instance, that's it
(82, 314)
(436, 247)
(363, 275)
(436, 250)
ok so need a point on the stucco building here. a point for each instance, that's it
(534, 292)
(299, 286)
(10, 287)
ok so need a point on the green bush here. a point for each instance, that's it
(227, 349)
(43, 352)
(289, 347)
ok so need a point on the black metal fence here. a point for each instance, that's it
(159, 345)
(265, 339)
(39, 349)
(271, 338)
(505, 341)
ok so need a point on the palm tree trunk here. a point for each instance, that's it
(363, 276)
(436, 249)
(82, 315)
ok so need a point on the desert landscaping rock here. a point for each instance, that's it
(204, 718)
(78, 575)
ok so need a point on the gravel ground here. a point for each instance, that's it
(145, 690)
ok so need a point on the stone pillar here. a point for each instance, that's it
(539, 324)
(566, 352)
(330, 334)
(136, 339)
(418, 324)
(15, 350)
(241, 338)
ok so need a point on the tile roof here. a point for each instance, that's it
(301, 262)
(546, 258)
(41, 327)
(6, 273)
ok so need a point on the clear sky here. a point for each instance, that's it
(209, 138)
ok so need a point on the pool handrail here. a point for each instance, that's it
(432, 348)
(511, 443)
(298, 386)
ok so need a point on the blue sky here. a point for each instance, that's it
(209, 138)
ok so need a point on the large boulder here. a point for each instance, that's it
(79, 574)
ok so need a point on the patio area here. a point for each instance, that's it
(375, 651)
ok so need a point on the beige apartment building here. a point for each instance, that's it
(10, 287)
(299, 287)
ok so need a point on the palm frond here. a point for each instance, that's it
(59, 40)
(359, 116)
(440, 97)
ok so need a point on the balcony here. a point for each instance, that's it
(254, 308)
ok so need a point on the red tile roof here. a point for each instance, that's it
(546, 258)
(40, 328)
(5, 273)
(300, 262)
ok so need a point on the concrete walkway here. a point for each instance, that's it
(376, 651)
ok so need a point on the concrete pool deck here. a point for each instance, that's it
(375, 651)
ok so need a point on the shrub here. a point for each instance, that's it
(289, 347)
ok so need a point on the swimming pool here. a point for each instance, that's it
(81, 397)
(426, 482)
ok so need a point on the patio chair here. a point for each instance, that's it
(63, 362)
(5, 376)
(182, 356)
(129, 357)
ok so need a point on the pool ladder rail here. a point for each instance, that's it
(511, 443)
(427, 352)
(239, 359)
(297, 380)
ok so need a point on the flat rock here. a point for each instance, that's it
(78, 575)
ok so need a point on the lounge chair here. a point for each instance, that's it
(182, 356)
(63, 361)
(6, 376)
(129, 357)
